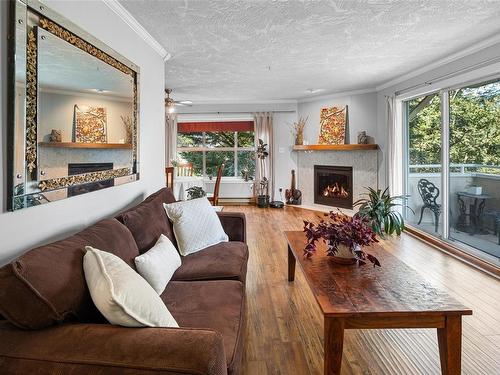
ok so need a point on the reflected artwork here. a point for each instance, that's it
(90, 124)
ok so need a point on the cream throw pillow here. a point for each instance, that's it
(159, 263)
(121, 294)
(196, 225)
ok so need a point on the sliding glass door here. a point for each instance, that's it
(452, 169)
(474, 187)
(423, 169)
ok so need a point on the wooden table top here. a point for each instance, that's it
(395, 289)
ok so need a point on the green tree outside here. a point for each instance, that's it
(474, 128)
(214, 158)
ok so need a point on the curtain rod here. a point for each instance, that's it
(448, 75)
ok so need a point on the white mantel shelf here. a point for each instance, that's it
(350, 147)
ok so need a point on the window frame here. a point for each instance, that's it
(204, 149)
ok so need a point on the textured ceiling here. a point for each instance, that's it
(261, 50)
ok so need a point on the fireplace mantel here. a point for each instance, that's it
(348, 147)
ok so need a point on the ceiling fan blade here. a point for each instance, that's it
(184, 103)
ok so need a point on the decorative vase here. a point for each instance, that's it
(344, 255)
(263, 201)
(55, 135)
(299, 139)
(362, 138)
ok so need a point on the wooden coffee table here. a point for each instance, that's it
(391, 296)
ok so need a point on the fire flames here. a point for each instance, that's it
(335, 191)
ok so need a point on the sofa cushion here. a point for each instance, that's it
(148, 220)
(196, 225)
(217, 305)
(47, 285)
(158, 264)
(121, 294)
(226, 260)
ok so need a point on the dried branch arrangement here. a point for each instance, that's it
(298, 130)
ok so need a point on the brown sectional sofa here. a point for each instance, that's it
(52, 326)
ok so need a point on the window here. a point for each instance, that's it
(209, 144)
(452, 172)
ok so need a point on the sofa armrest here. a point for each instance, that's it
(234, 224)
(107, 349)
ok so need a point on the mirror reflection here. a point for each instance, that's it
(75, 115)
(85, 114)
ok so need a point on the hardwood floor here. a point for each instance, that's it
(284, 330)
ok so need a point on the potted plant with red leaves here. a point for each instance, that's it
(344, 236)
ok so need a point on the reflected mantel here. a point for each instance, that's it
(86, 145)
(345, 147)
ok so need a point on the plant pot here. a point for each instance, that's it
(344, 256)
(299, 139)
(263, 201)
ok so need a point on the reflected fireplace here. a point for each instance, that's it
(80, 168)
(333, 186)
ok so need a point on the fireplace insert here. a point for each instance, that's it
(80, 168)
(333, 186)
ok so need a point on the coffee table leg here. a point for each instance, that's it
(450, 345)
(291, 265)
(334, 343)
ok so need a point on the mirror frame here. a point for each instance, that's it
(34, 14)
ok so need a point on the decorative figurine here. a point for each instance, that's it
(55, 135)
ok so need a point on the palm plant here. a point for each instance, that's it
(378, 209)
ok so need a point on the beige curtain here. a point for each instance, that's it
(394, 146)
(170, 138)
(264, 131)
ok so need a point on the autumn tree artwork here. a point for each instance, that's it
(90, 124)
(332, 125)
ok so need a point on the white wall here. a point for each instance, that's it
(26, 228)
(362, 115)
(284, 158)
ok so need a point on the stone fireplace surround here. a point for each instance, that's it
(363, 162)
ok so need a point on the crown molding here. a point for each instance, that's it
(130, 20)
(476, 47)
(334, 95)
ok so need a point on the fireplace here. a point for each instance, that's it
(333, 186)
(80, 168)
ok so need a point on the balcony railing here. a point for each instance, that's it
(465, 170)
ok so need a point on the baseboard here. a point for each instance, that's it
(454, 251)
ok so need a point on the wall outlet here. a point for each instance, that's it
(281, 150)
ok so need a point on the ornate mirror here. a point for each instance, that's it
(73, 110)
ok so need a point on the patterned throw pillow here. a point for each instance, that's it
(196, 225)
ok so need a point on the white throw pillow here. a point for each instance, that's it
(196, 225)
(159, 263)
(121, 294)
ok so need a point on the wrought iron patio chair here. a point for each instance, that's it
(429, 193)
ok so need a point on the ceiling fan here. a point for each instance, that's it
(170, 103)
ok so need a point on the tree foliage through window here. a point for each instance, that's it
(474, 127)
(228, 147)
